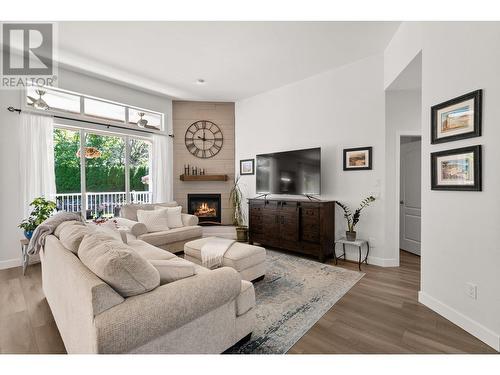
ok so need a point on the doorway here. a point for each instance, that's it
(410, 193)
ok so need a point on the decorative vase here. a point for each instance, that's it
(242, 234)
(28, 234)
(350, 236)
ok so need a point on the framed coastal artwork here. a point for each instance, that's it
(356, 159)
(457, 118)
(458, 169)
(247, 167)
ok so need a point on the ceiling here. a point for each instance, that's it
(236, 59)
(410, 78)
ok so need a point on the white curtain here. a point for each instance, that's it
(161, 169)
(36, 159)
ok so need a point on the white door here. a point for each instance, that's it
(409, 204)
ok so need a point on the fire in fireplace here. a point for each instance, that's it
(206, 206)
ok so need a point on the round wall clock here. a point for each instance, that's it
(203, 139)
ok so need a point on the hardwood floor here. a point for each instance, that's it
(380, 314)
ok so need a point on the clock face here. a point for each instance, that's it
(203, 139)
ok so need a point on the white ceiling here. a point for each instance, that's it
(236, 59)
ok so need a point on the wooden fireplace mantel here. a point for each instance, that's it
(204, 177)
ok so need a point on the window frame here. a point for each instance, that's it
(81, 116)
(83, 131)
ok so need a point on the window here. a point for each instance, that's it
(140, 162)
(104, 110)
(83, 107)
(67, 169)
(153, 119)
(56, 100)
(108, 158)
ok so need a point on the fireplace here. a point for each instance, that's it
(206, 206)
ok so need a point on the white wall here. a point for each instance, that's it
(334, 110)
(403, 115)
(460, 229)
(403, 47)
(11, 212)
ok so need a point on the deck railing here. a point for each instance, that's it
(100, 203)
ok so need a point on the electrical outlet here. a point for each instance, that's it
(471, 290)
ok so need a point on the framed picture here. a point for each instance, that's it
(458, 169)
(247, 167)
(359, 158)
(457, 118)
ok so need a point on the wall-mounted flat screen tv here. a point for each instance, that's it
(290, 172)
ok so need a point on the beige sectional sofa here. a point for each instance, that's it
(205, 313)
(172, 240)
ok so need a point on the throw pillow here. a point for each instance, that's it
(173, 269)
(174, 217)
(155, 221)
(108, 230)
(118, 265)
(60, 227)
(72, 235)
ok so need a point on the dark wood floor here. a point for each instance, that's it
(380, 314)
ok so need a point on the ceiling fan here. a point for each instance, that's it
(39, 103)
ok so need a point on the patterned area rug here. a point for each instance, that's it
(293, 296)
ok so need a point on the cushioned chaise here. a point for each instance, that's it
(166, 239)
(248, 260)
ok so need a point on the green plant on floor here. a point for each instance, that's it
(42, 210)
(353, 219)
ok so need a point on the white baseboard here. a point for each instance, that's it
(353, 255)
(474, 328)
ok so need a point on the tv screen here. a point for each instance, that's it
(290, 172)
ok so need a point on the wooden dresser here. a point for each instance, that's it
(302, 226)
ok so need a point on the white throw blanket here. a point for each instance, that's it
(212, 252)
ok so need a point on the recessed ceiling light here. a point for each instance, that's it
(200, 81)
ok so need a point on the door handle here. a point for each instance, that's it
(401, 202)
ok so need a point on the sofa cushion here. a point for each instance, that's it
(129, 211)
(118, 265)
(174, 217)
(189, 220)
(155, 221)
(246, 299)
(173, 269)
(148, 251)
(172, 235)
(239, 256)
(60, 227)
(107, 230)
(167, 204)
(134, 227)
(72, 235)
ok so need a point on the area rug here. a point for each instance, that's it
(293, 296)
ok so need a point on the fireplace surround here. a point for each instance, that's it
(206, 206)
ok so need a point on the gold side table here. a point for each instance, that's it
(24, 250)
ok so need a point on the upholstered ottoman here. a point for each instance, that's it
(248, 260)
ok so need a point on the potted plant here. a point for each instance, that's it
(42, 210)
(352, 219)
(235, 199)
